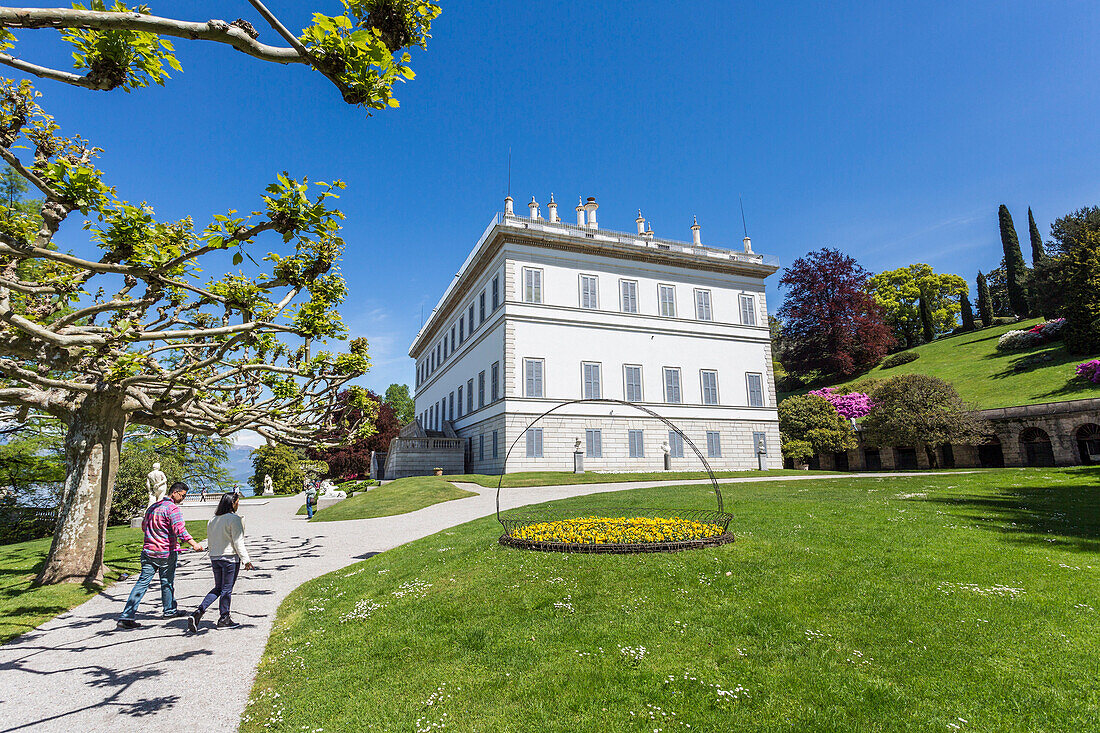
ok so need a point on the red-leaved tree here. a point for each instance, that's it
(350, 459)
(832, 324)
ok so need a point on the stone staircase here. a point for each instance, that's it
(418, 452)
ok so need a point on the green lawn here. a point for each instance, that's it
(558, 478)
(396, 497)
(940, 603)
(989, 378)
(23, 607)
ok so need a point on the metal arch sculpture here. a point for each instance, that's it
(720, 517)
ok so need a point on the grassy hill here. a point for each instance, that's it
(989, 378)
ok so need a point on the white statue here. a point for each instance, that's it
(666, 448)
(156, 483)
(269, 490)
(329, 491)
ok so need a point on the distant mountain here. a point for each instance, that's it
(239, 465)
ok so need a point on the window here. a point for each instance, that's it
(481, 389)
(748, 310)
(469, 395)
(460, 400)
(494, 444)
(451, 410)
(714, 444)
(666, 298)
(702, 305)
(635, 443)
(496, 297)
(628, 295)
(461, 329)
(672, 385)
(532, 285)
(675, 444)
(431, 417)
(632, 383)
(439, 354)
(588, 291)
(452, 339)
(756, 389)
(481, 447)
(710, 386)
(532, 371)
(431, 363)
(534, 442)
(446, 348)
(471, 319)
(591, 380)
(593, 443)
(495, 380)
(481, 308)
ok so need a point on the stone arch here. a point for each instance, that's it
(991, 453)
(1036, 447)
(1088, 443)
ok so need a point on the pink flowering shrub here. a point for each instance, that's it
(850, 406)
(1089, 370)
(1040, 333)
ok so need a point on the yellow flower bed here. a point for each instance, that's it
(617, 530)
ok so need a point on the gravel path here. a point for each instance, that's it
(77, 672)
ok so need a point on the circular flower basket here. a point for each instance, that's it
(612, 529)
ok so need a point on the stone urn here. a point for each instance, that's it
(437, 471)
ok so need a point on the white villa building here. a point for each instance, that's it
(543, 312)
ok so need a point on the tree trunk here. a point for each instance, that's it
(92, 448)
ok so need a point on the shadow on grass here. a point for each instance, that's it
(1036, 514)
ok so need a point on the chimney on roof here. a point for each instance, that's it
(580, 212)
(552, 207)
(748, 245)
(695, 231)
(641, 222)
(590, 207)
(508, 206)
(534, 207)
(649, 230)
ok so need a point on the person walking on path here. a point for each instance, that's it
(202, 495)
(164, 529)
(225, 541)
(311, 500)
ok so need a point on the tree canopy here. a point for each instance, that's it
(899, 293)
(809, 425)
(398, 397)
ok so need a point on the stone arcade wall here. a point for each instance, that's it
(1065, 425)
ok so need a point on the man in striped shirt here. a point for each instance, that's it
(164, 529)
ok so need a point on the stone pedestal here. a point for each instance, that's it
(578, 461)
(668, 461)
(135, 522)
(323, 503)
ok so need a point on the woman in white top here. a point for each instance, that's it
(225, 543)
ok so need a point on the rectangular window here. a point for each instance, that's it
(702, 305)
(675, 444)
(481, 447)
(748, 310)
(439, 354)
(471, 319)
(481, 389)
(632, 383)
(714, 444)
(494, 444)
(635, 443)
(495, 380)
(431, 417)
(756, 389)
(672, 386)
(710, 386)
(534, 442)
(438, 415)
(628, 294)
(496, 296)
(460, 401)
(469, 395)
(532, 371)
(593, 443)
(446, 348)
(481, 308)
(451, 410)
(591, 381)
(588, 291)
(431, 362)
(461, 329)
(452, 339)
(532, 285)
(666, 298)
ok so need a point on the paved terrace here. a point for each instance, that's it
(77, 672)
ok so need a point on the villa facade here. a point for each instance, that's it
(543, 313)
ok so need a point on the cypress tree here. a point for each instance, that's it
(926, 319)
(1015, 268)
(967, 312)
(1082, 292)
(1038, 254)
(985, 302)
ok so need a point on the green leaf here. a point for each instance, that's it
(238, 258)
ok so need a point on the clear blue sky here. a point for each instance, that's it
(890, 131)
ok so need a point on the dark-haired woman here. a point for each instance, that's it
(225, 543)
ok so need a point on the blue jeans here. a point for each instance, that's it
(225, 575)
(309, 510)
(150, 566)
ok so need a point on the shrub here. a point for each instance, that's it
(851, 405)
(1089, 370)
(1017, 340)
(809, 424)
(902, 357)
